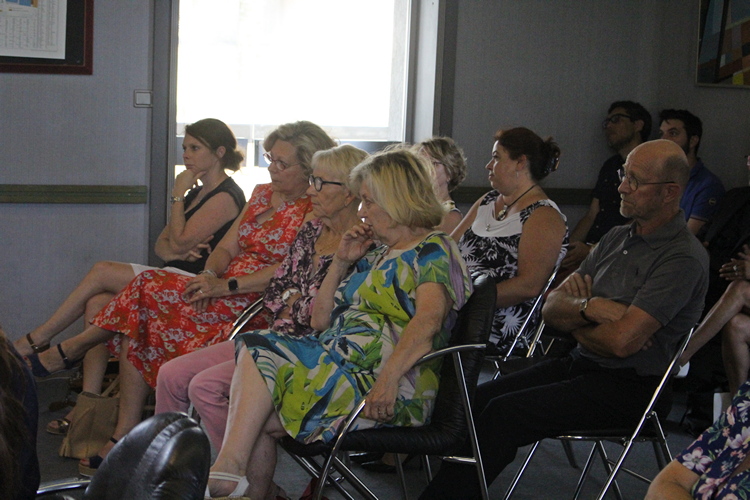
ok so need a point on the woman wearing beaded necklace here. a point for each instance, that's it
(515, 233)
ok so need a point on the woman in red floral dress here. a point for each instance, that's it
(162, 315)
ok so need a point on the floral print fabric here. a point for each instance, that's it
(717, 453)
(162, 326)
(490, 247)
(298, 271)
(316, 381)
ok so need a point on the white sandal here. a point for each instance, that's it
(239, 491)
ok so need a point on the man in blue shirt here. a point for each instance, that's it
(704, 190)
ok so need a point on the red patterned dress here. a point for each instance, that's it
(162, 326)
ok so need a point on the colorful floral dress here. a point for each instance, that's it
(298, 271)
(162, 326)
(490, 246)
(316, 381)
(716, 454)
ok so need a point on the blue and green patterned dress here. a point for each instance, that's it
(315, 381)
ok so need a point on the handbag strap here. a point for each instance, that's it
(114, 385)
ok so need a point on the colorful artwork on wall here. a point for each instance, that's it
(724, 43)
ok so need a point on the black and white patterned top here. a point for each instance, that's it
(490, 247)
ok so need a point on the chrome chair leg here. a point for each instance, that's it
(401, 477)
(520, 471)
(584, 473)
(568, 448)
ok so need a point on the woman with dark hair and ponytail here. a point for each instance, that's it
(515, 233)
(19, 467)
(200, 216)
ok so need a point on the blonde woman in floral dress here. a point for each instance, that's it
(378, 310)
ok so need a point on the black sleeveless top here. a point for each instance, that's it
(228, 186)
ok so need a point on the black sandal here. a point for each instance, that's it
(39, 370)
(37, 349)
(94, 463)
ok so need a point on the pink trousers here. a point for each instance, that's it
(202, 377)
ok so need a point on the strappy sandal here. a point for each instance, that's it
(239, 490)
(38, 369)
(94, 463)
(36, 348)
(63, 424)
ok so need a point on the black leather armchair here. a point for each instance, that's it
(165, 457)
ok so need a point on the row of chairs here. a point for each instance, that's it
(444, 436)
(467, 346)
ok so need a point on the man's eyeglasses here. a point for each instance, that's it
(317, 182)
(615, 119)
(634, 183)
(282, 165)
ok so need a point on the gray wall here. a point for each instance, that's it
(69, 129)
(551, 65)
(555, 66)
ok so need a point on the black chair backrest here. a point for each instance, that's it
(167, 456)
(447, 429)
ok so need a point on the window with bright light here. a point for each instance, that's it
(255, 64)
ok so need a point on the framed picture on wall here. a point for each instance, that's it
(724, 43)
(47, 36)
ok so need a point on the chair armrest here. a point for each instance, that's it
(450, 350)
(71, 483)
(249, 313)
(354, 414)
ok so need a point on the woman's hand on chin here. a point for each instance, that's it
(355, 243)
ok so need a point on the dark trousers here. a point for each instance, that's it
(546, 400)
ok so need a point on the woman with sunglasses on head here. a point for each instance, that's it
(203, 377)
(449, 164)
(162, 315)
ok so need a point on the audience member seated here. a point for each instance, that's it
(162, 315)
(724, 237)
(378, 310)
(19, 467)
(704, 190)
(715, 465)
(449, 162)
(515, 233)
(203, 377)
(199, 218)
(642, 285)
(627, 125)
(732, 315)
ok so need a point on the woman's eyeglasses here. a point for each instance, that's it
(318, 182)
(282, 165)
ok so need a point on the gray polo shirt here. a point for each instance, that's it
(664, 273)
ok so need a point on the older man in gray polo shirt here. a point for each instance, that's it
(628, 305)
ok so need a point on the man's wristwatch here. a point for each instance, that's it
(233, 285)
(582, 310)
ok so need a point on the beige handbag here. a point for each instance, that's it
(92, 422)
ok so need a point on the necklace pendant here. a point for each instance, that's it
(501, 215)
